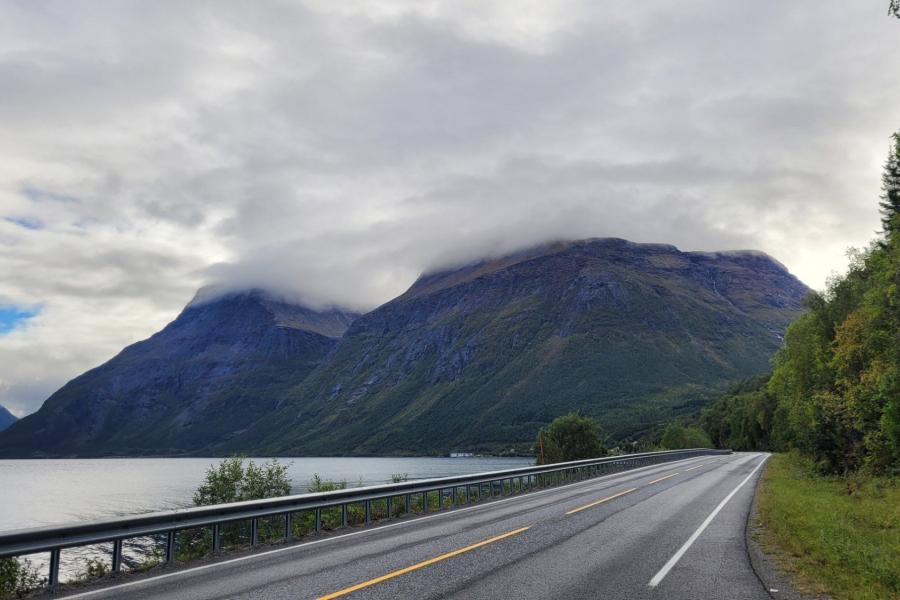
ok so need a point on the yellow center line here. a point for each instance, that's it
(692, 468)
(607, 499)
(422, 564)
(662, 478)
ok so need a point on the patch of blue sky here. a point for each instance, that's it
(36, 195)
(13, 316)
(26, 222)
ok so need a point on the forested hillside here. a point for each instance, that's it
(834, 392)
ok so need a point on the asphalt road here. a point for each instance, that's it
(667, 531)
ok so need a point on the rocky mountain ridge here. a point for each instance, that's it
(476, 358)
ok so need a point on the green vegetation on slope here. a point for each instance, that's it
(835, 535)
(834, 393)
(831, 508)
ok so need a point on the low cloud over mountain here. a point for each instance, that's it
(336, 151)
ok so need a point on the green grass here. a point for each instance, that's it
(840, 536)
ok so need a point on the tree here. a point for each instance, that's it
(680, 437)
(569, 437)
(233, 481)
(894, 8)
(890, 179)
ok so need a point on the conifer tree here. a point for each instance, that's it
(890, 198)
(894, 8)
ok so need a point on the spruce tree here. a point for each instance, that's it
(894, 8)
(890, 199)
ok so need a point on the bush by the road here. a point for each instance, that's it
(679, 437)
(570, 437)
(18, 578)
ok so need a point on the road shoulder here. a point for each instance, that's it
(774, 579)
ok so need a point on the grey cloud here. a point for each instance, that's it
(333, 151)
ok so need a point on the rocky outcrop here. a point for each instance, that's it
(205, 378)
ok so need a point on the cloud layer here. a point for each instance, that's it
(335, 150)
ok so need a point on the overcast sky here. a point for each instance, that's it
(337, 149)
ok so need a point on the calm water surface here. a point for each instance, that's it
(47, 492)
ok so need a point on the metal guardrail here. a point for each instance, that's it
(54, 539)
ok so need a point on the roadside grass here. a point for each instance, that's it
(840, 536)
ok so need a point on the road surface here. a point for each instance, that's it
(673, 531)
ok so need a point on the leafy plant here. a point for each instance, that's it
(679, 437)
(569, 437)
(236, 479)
(18, 577)
(317, 484)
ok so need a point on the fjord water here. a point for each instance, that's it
(38, 492)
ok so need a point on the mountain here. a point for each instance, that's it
(6, 418)
(479, 357)
(205, 377)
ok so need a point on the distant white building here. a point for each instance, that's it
(461, 454)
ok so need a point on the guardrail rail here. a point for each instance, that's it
(462, 490)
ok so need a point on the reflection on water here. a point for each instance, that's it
(59, 491)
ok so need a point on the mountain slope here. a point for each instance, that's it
(6, 418)
(205, 377)
(480, 357)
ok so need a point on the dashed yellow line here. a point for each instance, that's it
(662, 478)
(422, 564)
(601, 501)
(442, 557)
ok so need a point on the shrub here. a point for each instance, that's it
(570, 437)
(18, 578)
(679, 437)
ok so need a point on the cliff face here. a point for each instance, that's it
(203, 379)
(479, 357)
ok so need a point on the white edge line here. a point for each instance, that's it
(677, 556)
(302, 545)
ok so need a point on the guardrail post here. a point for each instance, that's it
(53, 569)
(368, 504)
(217, 537)
(407, 501)
(288, 526)
(117, 556)
(254, 531)
(424, 502)
(343, 515)
(318, 524)
(387, 504)
(170, 546)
